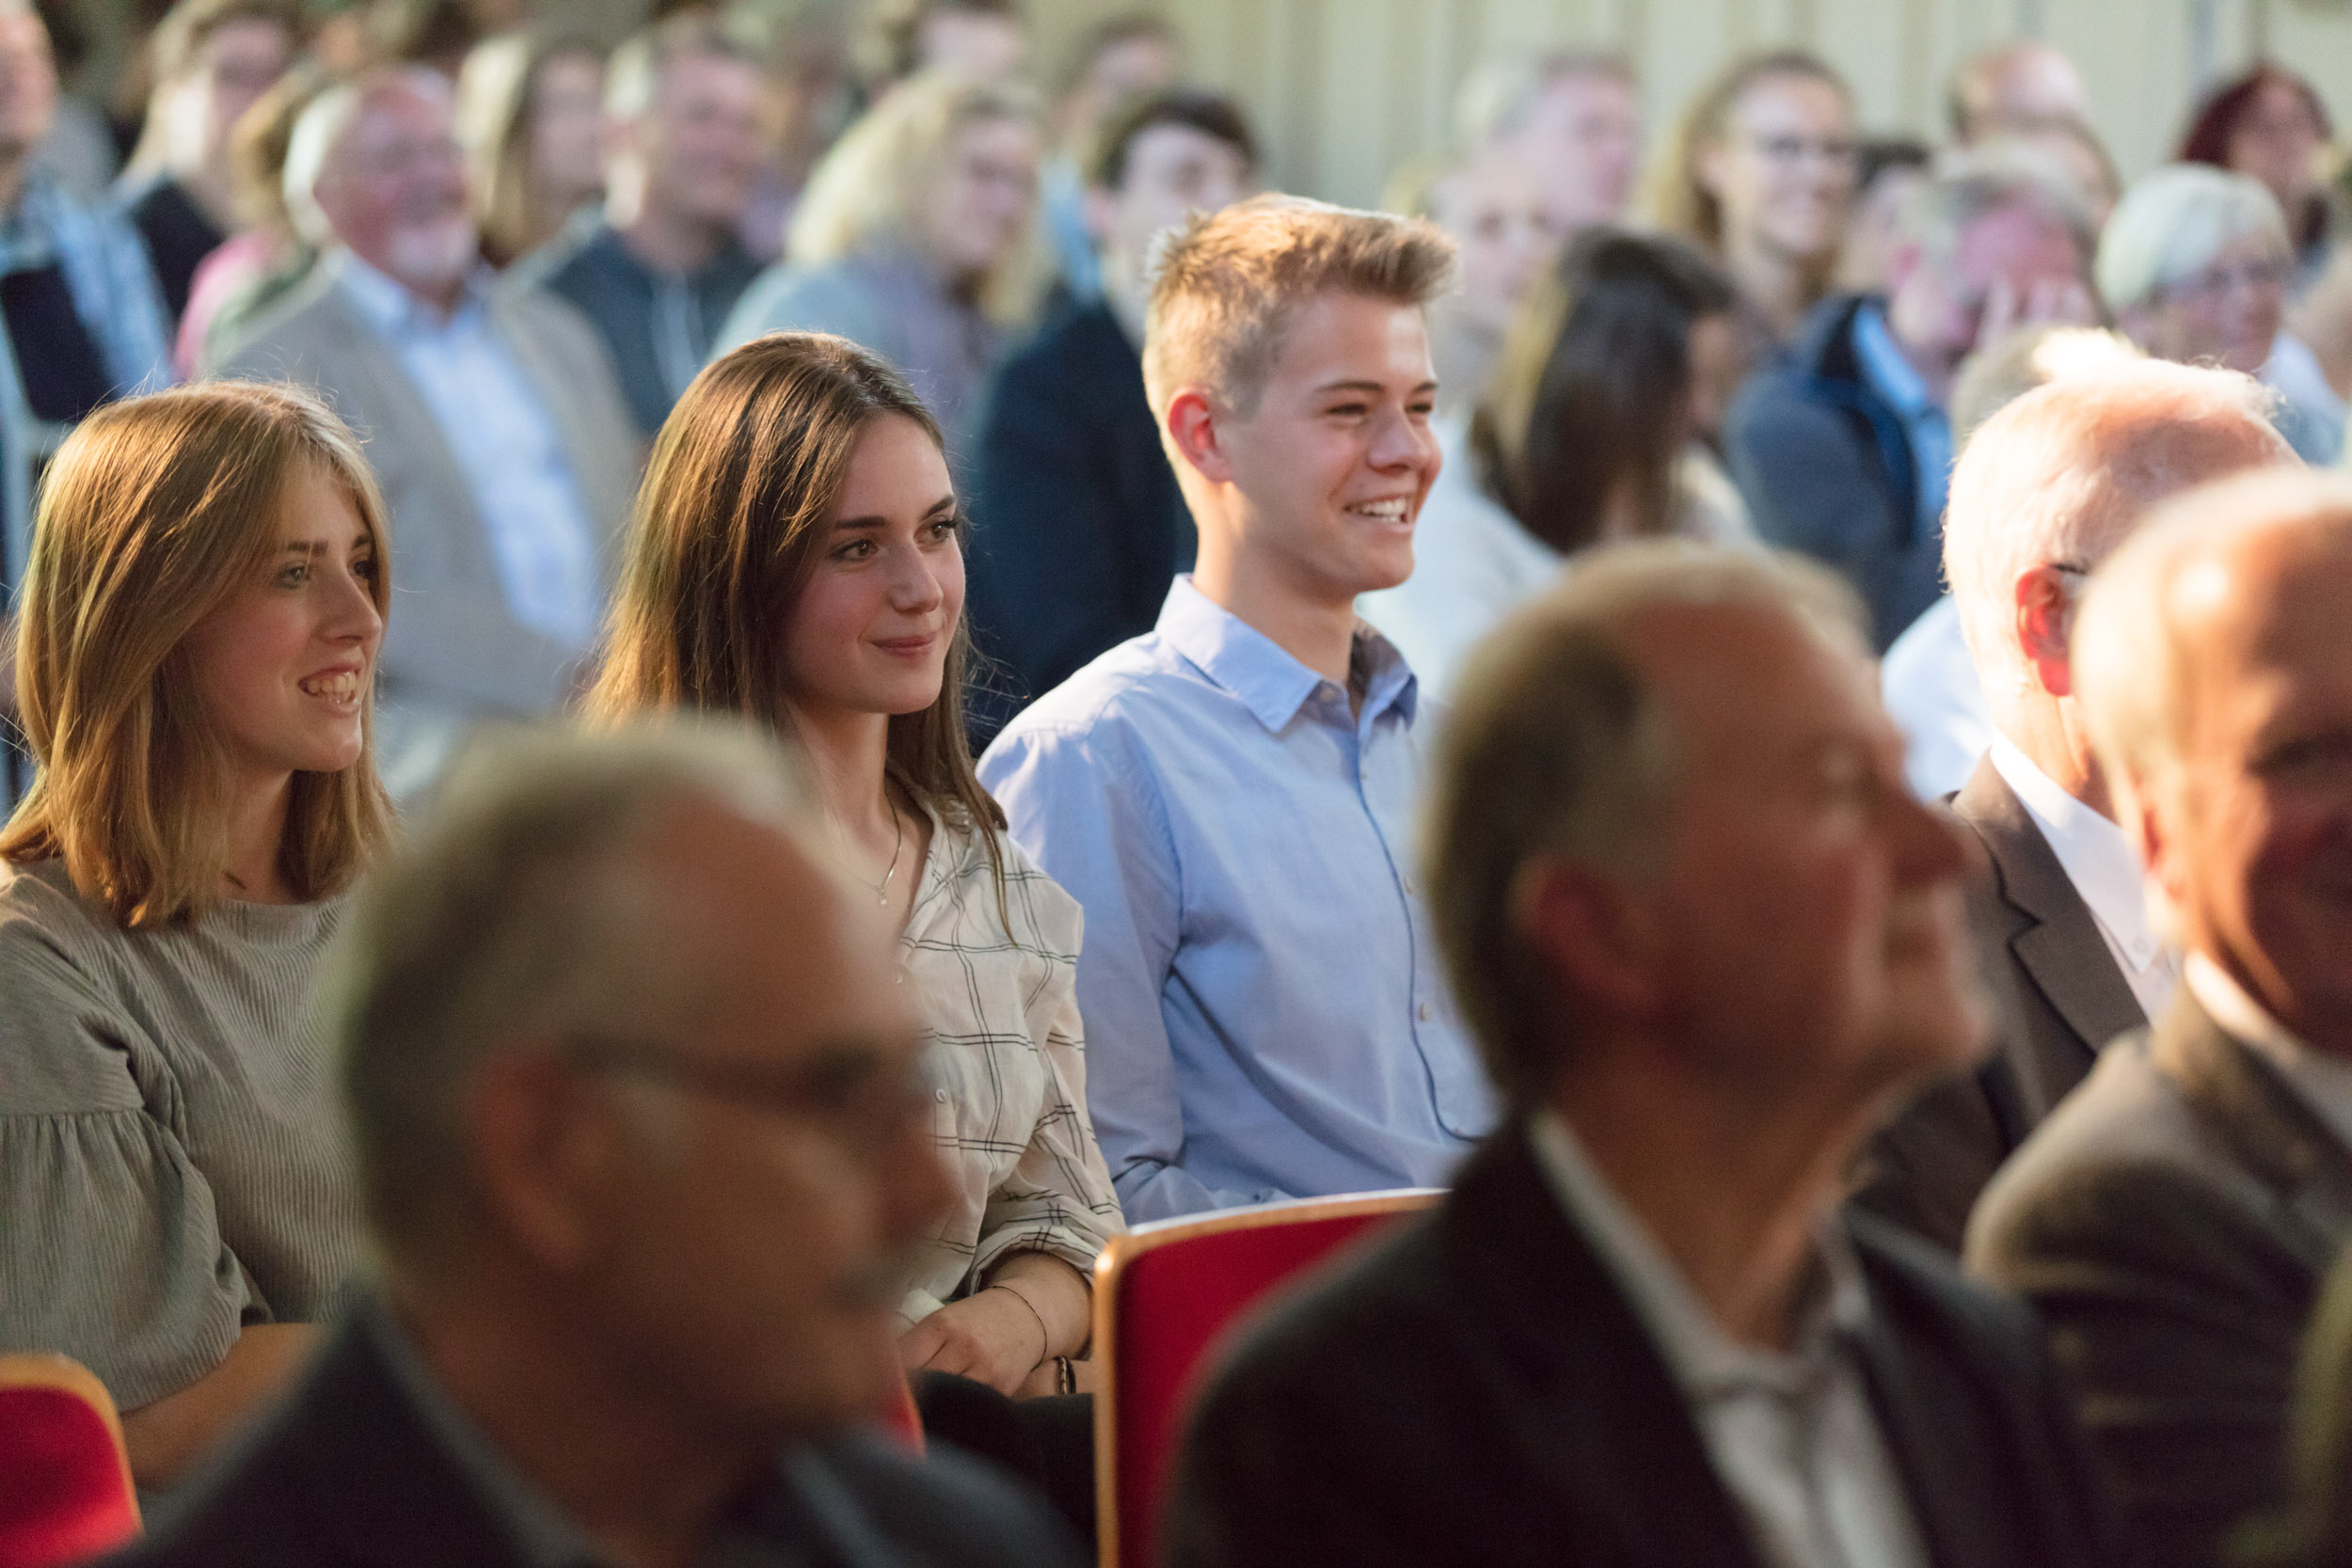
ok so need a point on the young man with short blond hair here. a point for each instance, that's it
(1232, 796)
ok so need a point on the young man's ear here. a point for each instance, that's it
(1192, 427)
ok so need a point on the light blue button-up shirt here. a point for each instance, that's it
(1264, 1012)
(505, 443)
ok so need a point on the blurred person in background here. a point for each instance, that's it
(797, 560)
(1079, 526)
(2077, 154)
(200, 630)
(985, 39)
(919, 239)
(1843, 449)
(2195, 265)
(264, 256)
(2012, 86)
(2171, 1223)
(660, 271)
(1595, 429)
(809, 94)
(1888, 171)
(83, 317)
(2270, 126)
(1759, 177)
(639, 1121)
(214, 60)
(1117, 62)
(436, 34)
(79, 152)
(1571, 119)
(1504, 237)
(529, 106)
(507, 454)
(1928, 679)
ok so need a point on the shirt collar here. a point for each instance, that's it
(1705, 1361)
(1266, 679)
(388, 306)
(540, 1530)
(2095, 854)
(1894, 377)
(2323, 1081)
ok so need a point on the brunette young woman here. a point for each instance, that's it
(797, 557)
(196, 644)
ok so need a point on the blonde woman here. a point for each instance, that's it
(797, 559)
(919, 239)
(529, 109)
(196, 644)
(1759, 177)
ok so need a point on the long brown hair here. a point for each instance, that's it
(1680, 203)
(154, 511)
(735, 510)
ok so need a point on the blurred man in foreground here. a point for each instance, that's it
(2173, 1220)
(1706, 939)
(645, 1143)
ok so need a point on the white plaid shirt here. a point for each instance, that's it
(1007, 1061)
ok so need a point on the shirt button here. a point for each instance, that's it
(1424, 1011)
(940, 1095)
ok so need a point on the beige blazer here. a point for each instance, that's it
(452, 650)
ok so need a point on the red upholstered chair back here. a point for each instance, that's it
(1163, 1294)
(65, 1483)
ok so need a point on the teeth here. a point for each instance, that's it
(1392, 511)
(340, 688)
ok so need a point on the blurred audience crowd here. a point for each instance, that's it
(685, 713)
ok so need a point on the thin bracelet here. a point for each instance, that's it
(1046, 1337)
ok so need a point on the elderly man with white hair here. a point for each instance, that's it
(2045, 489)
(2195, 264)
(492, 417)
(2174, 1221)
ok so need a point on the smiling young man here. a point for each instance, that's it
(1230, 796)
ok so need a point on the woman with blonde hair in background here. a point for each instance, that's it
(1760, 175)
(919, 239)
(197, 642)
(797, 558)
(530, 107)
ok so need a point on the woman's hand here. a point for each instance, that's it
(990, 1337)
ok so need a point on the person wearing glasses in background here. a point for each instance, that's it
(2195, 264)
(1843, 449)
(1759, 177)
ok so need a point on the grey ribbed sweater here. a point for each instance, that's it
(170, 1165)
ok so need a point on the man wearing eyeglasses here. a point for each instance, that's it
(1842, 450)
(2046, 488)
(643, 1148)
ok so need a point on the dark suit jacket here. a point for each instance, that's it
(348, 1474)
(2059, 997)
(1476, 1392)
(1826, 468)
(2172, 1222)
(1080, 526)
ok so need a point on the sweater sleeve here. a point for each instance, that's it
(110, 1247)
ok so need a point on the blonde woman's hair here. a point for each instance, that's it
(871, 187)
(2172, 225)
(1225, 285)
(154, 512)
(1679, 204)
(729, 526)
(495, 90)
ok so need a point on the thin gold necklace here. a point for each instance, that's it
(897, 847)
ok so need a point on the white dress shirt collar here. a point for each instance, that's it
(2322, 1081)
(2096, 855)
(391, 307)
